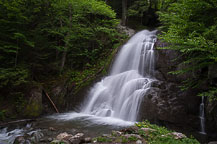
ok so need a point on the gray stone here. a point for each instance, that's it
(117, 133)
(126, 30)
(50, 139)
(74, 141)
(19, 140)
(106, 135)
(139, 142)
(59, 141)
(87, 139)
(64, 136)
(177, 135)
(213, 142)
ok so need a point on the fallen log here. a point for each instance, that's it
(51, 102)
(17, 121)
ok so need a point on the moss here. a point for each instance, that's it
(33, 109)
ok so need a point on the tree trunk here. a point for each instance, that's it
(63, 60)
(16, 57)
(66, 47)
(124, 12)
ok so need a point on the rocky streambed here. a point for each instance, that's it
(71, 132)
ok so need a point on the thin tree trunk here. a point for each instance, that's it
(16, 57)
(51, 102)
(66, 47)
(150, 2)
(63, 60)
(124, 12)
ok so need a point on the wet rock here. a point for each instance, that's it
(166, 104)
(213, 142)
(44, 140)
(64, 135)
(55, 141)
(49, 139)
(76, 139)
(52, 129)
(106, 135)
(19, 140)
(79, 136)
(117, 133)
(211, 116)
(36, 136)
(59, 141)
(87, 140)
(132, 129)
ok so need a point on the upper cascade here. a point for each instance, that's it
(119, 95)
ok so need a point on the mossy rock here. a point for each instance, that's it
(34, 106)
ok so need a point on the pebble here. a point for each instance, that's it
(87, 139)
(49, 139)
(138, 142)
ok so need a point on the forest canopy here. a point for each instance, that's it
(42, 39)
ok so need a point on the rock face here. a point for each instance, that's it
(126, 30)
(211, 119)
(34, 106)
(165, 103)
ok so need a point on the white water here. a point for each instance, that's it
(202, 117)
(8, 136)
(119, 94)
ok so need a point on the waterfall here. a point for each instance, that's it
(119, 95)
(202, 117)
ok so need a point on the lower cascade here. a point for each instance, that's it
(202, 117)
(119, 94)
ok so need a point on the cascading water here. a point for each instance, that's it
(202, 117)
(119, 94)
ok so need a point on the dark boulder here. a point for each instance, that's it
(165, 103)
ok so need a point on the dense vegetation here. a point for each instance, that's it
(190, 26)
(53, 39)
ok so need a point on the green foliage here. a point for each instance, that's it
(12, 77)
(2, 114)
(211, 93)
(132, 138)
(103, 139)
(190, 26)
(20, 102)
(138, 8)
(161, 135)
(142, 13)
